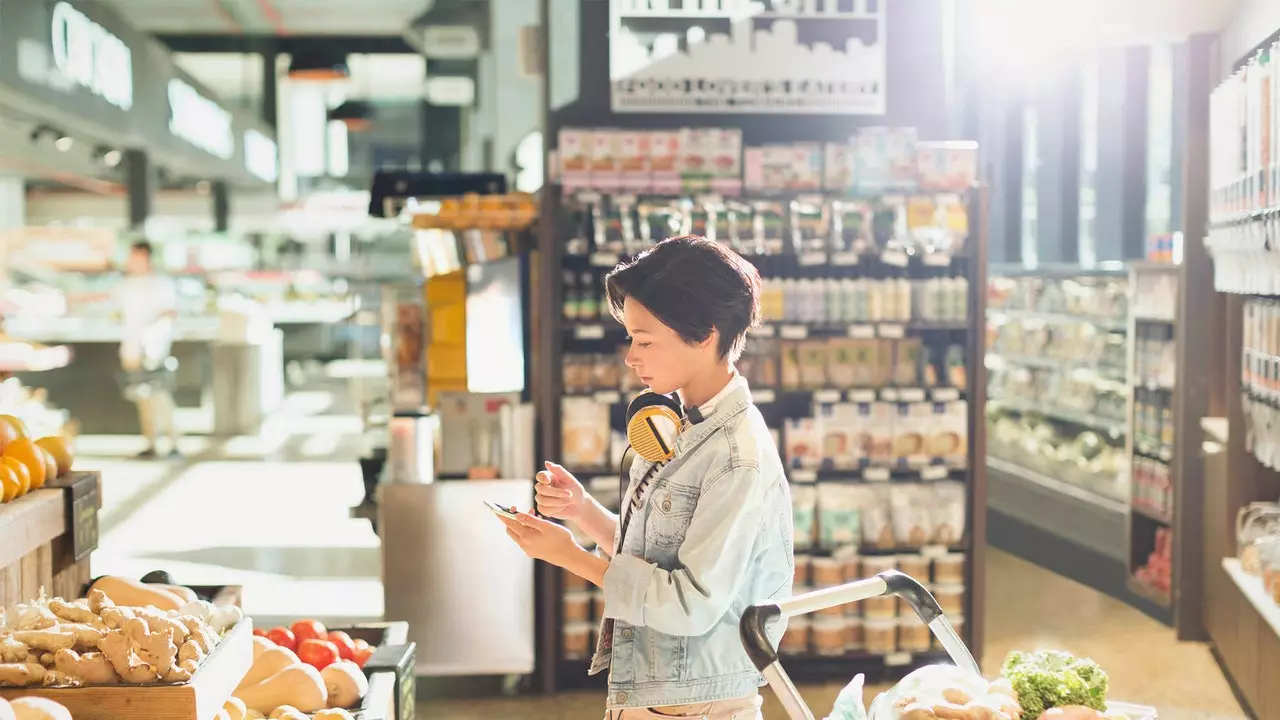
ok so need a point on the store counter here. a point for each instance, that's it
(449, 569)
(40, 545)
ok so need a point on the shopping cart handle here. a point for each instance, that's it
(755, 620)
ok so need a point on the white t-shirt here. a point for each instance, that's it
(148, 331)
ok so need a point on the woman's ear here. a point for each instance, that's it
(712, 340)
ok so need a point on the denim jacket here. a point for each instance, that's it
(713, 535)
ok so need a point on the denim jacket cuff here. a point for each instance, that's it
(625, 583)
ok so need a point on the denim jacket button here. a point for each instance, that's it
(622, 697)
(666, 505)
(626, 634)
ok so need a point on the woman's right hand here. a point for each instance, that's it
(558, 493)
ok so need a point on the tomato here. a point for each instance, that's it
(319, 654)
(283, 637)
(363, 654)
(346, 646)
(308, 630)
(362, 643)
(260, 632)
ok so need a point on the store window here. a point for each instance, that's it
(1088, 244)
(1160, 142)
(1030, 177)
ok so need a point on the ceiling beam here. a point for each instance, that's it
(361, 44)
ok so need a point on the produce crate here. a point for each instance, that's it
(199, 699)
(391, 670)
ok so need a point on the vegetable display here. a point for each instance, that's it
(97, 641)
(1051, 679)
(26, 465)
(302, 672)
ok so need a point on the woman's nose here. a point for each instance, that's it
(630, 359)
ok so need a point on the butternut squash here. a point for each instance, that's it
(235, 709)
(345, 684)
(186, 593)
(299, 686)
(268, 663)
(259, 644)
(284, 710)
(131, 593)
(6, 711)
(333, 714)
(38, 708)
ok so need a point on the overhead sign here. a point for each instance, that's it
(200, 121)
(91, 57)
(450, 42)
(451, 91)
(810, 57)
(260, 157)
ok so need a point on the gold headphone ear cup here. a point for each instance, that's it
(652, 432)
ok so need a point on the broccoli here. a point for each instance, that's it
(1047, 679)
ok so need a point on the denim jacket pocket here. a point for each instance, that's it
(670, 509)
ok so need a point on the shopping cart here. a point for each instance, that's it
(763, 655)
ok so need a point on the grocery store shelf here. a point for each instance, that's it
(1061, 365)
(1154, 595)
(1109, 324)
(1115, 428)
(1253, 591)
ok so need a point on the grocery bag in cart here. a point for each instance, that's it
(903, 702)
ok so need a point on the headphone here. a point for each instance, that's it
(654, 421)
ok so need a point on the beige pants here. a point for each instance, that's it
(740, 709)
(155, 410)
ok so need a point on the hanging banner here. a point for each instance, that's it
(802, 57)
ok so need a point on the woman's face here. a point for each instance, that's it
(661, 358)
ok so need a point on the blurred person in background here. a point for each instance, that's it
(148, 303)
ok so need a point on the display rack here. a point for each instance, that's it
(1058, 454)
(833, 380)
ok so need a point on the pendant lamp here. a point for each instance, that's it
(357, 115)
(318, 65)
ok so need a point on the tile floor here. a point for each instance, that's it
(271, 513)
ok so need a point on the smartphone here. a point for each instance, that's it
(506, 512)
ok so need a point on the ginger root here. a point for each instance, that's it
(190, 652)
(153, 648)
(90, 668)
(200, 632)
(59, 679)
(21, 674)
(48, 640)
(125, 661)
(87, 636)
(98, 600)
(32, 616)
(73, 612)
(158, 621)
(115, 617)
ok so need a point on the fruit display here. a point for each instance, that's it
(27, 464)
(302, 671)
(1042, 685)
(152, 636)
(33, 708)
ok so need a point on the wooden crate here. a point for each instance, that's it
(199, 699)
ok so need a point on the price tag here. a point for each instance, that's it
(803, 476)
(876, 474)
(844, 259)
(604, 259)
(895, 258)
(793, 332)
(933, 472)
(945, 394)
(588, 196)
(898, 659)
(889, 394)
(911, 394)
(624, 199)
(816, 257)
(862, 396)
(589, 332)
(763, 397)
(862, 332)
(937, 259)
(608, 397)
(890, 331)
(827, 396)
(764, 331)
(934, 551)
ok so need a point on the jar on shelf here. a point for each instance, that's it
(577, 606)
(577, 641)
(829, 635)
(855, 639)
(913, 635)
(880, 635)
(949, 568)
(795, 641)
(827, 572)
(950, 598)
(917, 566)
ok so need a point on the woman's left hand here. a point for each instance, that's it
(542, 540)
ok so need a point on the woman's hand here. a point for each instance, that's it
(543, 540)
(559, 494)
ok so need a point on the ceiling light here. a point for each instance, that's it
(64, 143)
(357, 115)
(319, 66)
(112, 158)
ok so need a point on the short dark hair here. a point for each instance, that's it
(694, 286)
(143, 246)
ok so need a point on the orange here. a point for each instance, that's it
(61, 451)
(20, 471)
(8, 433)
(10, 485)
(15, 423)
(50, 464)
(25, 451)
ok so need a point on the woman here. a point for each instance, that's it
(701, 536)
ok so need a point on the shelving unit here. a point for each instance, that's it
(795, 394)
